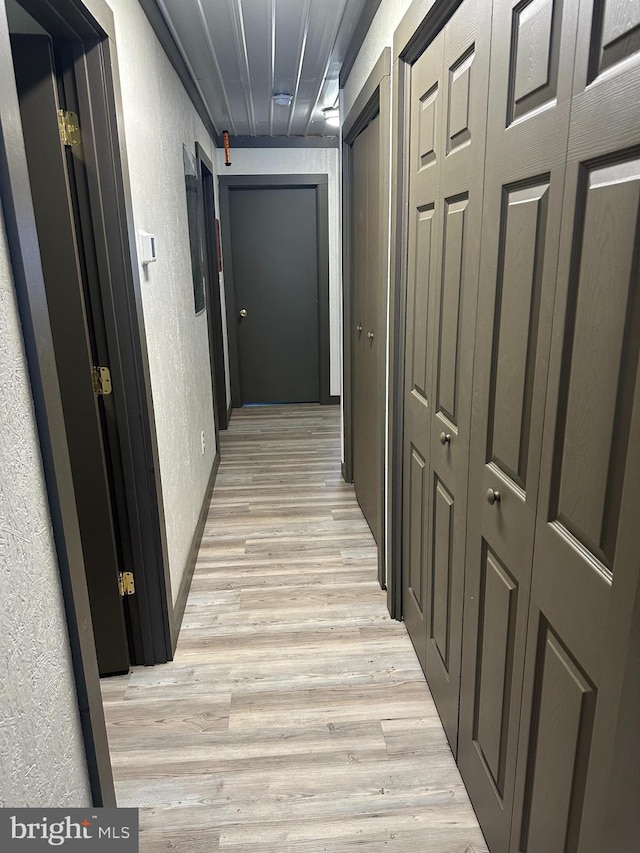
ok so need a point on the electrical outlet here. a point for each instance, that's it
(202, 442)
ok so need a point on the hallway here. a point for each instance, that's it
(295, 716)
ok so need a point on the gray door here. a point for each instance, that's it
(587, 542)
(368, 350)
(524, 182)
(74, 340)
(448, 95)
(274, 244)
(553, 548)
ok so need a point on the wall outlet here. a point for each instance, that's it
(202, 442)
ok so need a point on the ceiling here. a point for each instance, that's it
(242, 52)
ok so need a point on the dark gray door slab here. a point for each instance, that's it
(74, 342)
(275, 271)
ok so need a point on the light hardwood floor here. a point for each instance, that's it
(295, 716)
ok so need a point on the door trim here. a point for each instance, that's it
(89, 26)
(373, 100)
(420, 25)
(321, 185)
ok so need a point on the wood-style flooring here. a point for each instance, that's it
(295, 716)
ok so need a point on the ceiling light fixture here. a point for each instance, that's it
(332, 116)
(282, 99)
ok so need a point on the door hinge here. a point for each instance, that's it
(126, 583)
(101, 380)
(69, 127)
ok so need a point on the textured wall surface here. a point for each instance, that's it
(42, 760)
(315, 161)
(379, 36)
(159, 118)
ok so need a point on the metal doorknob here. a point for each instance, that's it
(445, 438)
(370, 335)
(244, 312)
(493, 497)
(358, 328)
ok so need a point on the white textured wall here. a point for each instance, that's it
(309, 161)
(158, 118)
(379, 36)
(42, 760)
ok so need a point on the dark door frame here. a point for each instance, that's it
(212, 297)
(374, 100)
(417, 29)
(321, 185)
(88, 26)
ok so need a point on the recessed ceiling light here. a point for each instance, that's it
(283, 99)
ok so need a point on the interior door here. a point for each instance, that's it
(74, 340)
(448, 96)
(274, 244)
(528, 125)
(368, 338)
(587, 540)
(422, 272)
(213, 301)
(463, 131)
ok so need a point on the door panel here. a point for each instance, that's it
(532, 57)
(587, 544)
(448, 90)
(424, 235)
(465, 72)
(368, 347)
(275, 269)
(74, 341)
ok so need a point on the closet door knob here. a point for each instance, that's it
(370, 335)
(493, 497)
(358, 328)
(445, 438)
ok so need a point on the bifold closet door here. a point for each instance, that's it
(369, 332)
(587, 544)
(527, 134)
(448, 117)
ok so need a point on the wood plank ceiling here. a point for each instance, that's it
(241, 53)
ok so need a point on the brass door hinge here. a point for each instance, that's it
(101, 380)
(69, 127)
(126, 583)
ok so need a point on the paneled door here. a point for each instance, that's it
(448, 95)
(422, 272)
(532, 60)
(587, 541)
(368, 338)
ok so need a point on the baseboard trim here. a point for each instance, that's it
(333, 400)
(229, 413)
(187, 577)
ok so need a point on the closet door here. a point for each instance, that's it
(463, 132)
(532, 59)
(448, 97)
(587, 544)
(370, 327)
(422, 272)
